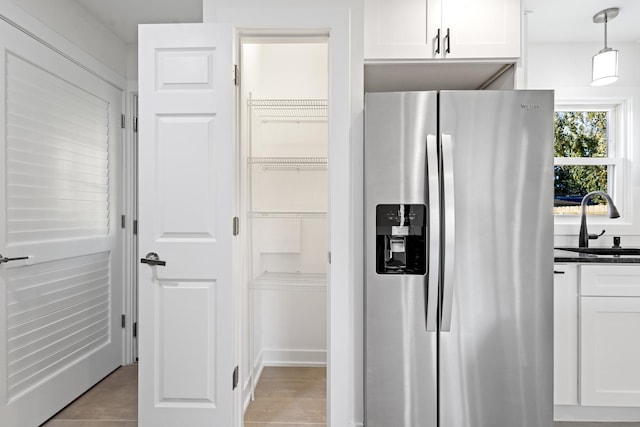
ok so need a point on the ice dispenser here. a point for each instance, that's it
(400, 239)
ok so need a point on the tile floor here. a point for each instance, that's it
(111, 403)
(289, 397)
(285, 397)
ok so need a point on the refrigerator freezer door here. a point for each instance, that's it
(400, 354)
(496, 362)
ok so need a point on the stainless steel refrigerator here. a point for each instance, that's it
(459, 259)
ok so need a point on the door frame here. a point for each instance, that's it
(344, 357)
(129, 223)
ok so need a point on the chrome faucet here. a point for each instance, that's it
(584, 236)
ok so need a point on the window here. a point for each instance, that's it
(588, 157)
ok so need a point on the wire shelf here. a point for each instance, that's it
(289, 163)
(291, 278)
(267, 281)
(288, 215)
(290, 110)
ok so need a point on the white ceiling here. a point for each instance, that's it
(123, 16)
(572, 21)
(549, 20)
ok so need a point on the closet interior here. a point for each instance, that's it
(284, 181)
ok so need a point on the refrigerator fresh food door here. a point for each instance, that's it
(496, 338)
(400, 351)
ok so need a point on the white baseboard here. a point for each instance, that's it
(595, 413)
(292, 357)
(258, 367)
(357, 424)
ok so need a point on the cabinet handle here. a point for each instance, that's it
(558, 272)
(438, 42)
(447, 39)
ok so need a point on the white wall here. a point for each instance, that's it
(76, 24)
(289, 322)
(566, 68)
(286, 72)
(132, 62)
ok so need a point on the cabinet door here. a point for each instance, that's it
(565, 335)
(401, 29)
(610, 351)
(481, 29)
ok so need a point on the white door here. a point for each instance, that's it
(60, 310)
(609, 351)
(186, 141)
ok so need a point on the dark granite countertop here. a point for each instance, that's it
(567, 256)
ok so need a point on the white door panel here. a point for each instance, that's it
(185, 216)
(60, 310)
(609, 351)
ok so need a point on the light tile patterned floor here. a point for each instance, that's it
(290, 397)
(111, 403)
(285, 397)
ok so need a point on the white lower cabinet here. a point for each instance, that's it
(565, 334)
(610, 335)
(610, 351)
(597, 335)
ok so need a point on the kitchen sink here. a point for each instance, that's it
(604, 251)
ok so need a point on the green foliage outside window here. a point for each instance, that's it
(579, 134)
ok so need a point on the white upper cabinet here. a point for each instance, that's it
(399, 28)
(440, 29)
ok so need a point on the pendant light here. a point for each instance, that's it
(604, 65)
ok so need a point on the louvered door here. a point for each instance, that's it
(60, 308)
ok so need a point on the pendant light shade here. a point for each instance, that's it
(604, 67)
(604, 64)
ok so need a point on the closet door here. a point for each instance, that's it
(60, 307)
(186, 150)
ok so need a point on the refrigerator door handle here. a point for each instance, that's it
(449, 232)
(433, 186)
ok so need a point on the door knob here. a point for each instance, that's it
(5, 259)
(152, 258)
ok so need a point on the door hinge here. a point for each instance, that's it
(329, 257)
(135, 227)
(235, 378)
(236, 75)
(135, 124)
(135, 329)
(124, 320)
(123, 221)
(123, 121)
(236, 225)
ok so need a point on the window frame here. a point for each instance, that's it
(618, 158)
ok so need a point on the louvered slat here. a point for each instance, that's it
(57, 312)
(57, 157)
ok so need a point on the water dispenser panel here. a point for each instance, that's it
(401, 239)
